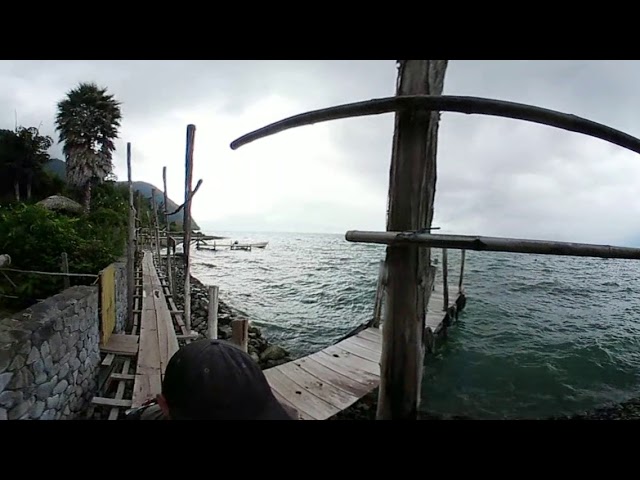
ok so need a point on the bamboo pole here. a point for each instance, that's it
(64, 265)
(419, 104)
(445, 280)
(213, 312)
(494, 244)
(463, 255)
(156, 223)
(131, 245)
(186, 223)
(412, 182)
(168, 222)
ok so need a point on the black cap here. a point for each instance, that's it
(215, 380)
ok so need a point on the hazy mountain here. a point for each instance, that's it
(59, 168)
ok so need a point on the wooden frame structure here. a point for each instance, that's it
(412, 181)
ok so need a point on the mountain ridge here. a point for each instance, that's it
(58, 168)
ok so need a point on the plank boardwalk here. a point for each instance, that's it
(158, 341)
(323, 384)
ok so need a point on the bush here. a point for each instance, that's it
(35, 238)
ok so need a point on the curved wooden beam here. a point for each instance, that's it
(445, 103)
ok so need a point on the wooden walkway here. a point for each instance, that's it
(323, 384)
(158, 341)
(318, 386)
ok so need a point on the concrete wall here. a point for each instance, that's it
(49, 353)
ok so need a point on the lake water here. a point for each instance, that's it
(540, 335)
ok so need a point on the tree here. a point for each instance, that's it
(87, 121)
(34, 154)
(23, 154)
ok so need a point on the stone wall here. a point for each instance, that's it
(49, 357)
(50, 354)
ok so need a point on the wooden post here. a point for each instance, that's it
(412, 181)
(186, 224)
(131, 244)
(64, 266)
(377, 308)
(445, 280)
(240, 333)
(462, 260)
(168, 222)
(213, 312)
(156, 223)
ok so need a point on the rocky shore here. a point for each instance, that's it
(265, 353)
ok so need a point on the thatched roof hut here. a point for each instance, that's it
(59, 203)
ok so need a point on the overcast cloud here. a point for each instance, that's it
(495, 176)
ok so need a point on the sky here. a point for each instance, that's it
(496, 177)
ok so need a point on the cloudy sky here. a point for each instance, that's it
(495, 176)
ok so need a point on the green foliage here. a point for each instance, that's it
(23, 154)
(35, 238)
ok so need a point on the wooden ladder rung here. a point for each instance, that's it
(111, 402)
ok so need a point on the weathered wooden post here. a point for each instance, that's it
(445, 280)
(212, 323)
(240, 333)
(186, 223)
(462, 259)
(64, 266)
(131, 244)
(168, 223)
(409, 279)
(156, 223)
(377, 308)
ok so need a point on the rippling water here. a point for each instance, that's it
(540, 335)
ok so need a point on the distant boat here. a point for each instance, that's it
(260, 244)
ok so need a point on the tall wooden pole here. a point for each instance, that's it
(186, 224)
(156, 223)
(412, 182)
(168, 223)
(130, 245)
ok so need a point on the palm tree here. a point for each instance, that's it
(88, 120)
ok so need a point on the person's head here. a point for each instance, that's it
(215, 380)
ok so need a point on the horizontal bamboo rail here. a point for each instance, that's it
(494, 244)
(448, 103)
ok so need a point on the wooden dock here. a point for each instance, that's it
(323, 384)
(318, 386)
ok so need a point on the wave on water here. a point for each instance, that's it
(540, 335)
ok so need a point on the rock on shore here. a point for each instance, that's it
(262, 351)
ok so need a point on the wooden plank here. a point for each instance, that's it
(122, 376)
(350, 346)
(373, 334)
(327, 375)
(371, 345)
(300, 399)
(284, 401)
(111, 402)
(121, 344)
(145, 388)
(113, 414)
(108, 360)
(317, 386)
(168, 343)
(353, 370)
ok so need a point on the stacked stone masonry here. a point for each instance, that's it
(50, 355)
